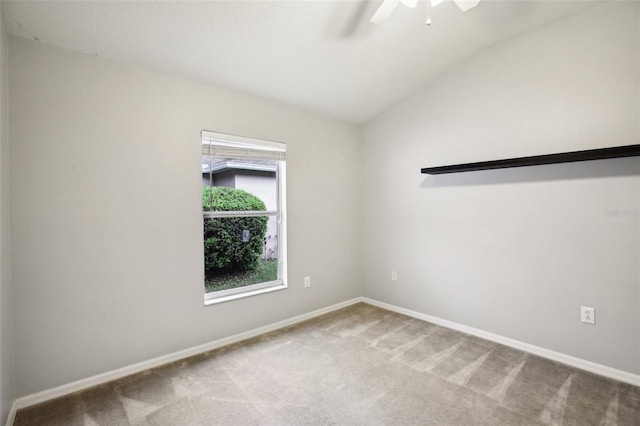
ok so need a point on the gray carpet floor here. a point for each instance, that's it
(358, 366)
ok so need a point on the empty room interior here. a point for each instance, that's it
(407, 212)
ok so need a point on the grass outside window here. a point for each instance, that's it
(267, 270)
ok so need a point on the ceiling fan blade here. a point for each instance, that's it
(465, 5)
(384, 11)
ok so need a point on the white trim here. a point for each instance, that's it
(221, 296)
(99, 379)
(281, 175)
(11, 416)
(603, 370)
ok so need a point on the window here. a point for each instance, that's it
(243, 209)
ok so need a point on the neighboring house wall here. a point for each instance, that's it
(225, 178)
(119, 260)
(516, 252)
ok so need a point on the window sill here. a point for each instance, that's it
(249, 293)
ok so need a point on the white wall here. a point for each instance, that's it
(516, 252)
(106, 178)
(6, 334)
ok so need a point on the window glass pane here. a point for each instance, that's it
(257, 177)
(240, 251)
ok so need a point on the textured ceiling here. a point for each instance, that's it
(319, 55)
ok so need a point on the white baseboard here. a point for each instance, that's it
(11, 416)
(603, 370)
(99, 379)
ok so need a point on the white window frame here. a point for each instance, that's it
(222, 139)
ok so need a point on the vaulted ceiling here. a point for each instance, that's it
(323, 56)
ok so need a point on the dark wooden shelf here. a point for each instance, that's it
(536, 160)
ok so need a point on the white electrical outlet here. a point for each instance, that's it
(587, 314)
(394, 275)
(307, 282)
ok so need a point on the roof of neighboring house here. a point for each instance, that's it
(218, 165)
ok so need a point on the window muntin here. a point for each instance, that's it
(258, 168)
